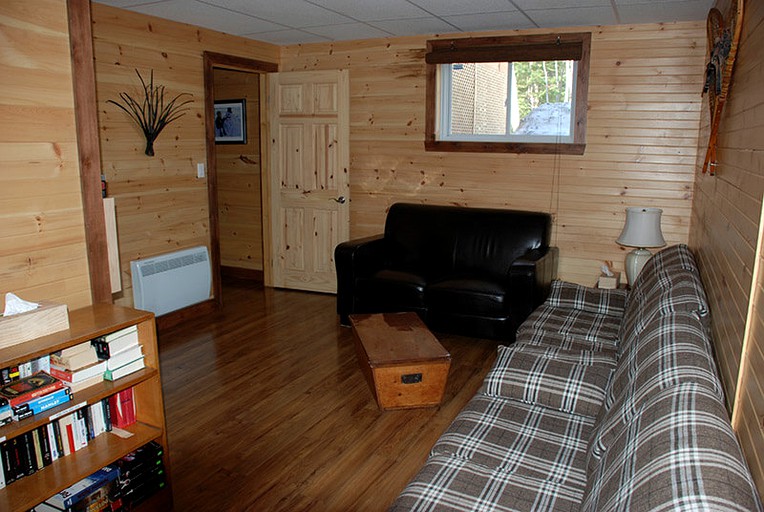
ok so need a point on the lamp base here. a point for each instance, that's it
(635, 260)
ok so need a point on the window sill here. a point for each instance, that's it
(542, 148)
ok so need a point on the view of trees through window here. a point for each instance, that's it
(518, 98)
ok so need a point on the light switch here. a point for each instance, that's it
(200, 170)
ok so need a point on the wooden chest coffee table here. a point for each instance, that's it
(404, 363)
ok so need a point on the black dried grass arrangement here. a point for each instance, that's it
(152, 114)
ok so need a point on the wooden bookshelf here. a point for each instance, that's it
(84, 325)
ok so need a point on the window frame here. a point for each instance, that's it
(568, 46)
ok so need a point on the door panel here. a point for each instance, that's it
(309, 116)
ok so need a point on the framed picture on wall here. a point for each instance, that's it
(231, 121)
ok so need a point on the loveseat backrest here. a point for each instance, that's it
(452, 239)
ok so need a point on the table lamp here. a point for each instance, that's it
(642, 229)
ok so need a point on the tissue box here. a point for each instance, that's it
(46, 319)
(609, 282)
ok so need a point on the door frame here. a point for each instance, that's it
(214, 60)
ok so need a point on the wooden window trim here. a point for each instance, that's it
(569, 46)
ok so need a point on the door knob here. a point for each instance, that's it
(340, 199)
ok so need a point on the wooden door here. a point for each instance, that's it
(309, 180)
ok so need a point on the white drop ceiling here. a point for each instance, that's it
(285, 22)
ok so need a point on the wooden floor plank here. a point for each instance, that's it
(267, 408)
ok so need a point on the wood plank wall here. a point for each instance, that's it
(161, 204)
(725, 229)
(644, 104)
(42, 231)
(239, 203)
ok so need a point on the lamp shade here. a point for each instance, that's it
(642, 228)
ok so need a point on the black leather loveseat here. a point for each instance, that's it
(473, 271)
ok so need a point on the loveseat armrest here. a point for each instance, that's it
(530, 278)
(354, 258)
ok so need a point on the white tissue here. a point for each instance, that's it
(606, 270)
(15, 305)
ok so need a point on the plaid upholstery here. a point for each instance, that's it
(519, 438)
(525, 374)
(662, 440)
(447, 484)
(678, 291)
(678, 453)
(593, 300)
(671, 350)
(674, 258)
(577, 326)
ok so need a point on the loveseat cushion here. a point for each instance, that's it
(678, 453)
(387, 288)
(449, 484)
(519, 438)
(568, 295)
(576, 328)
(468, 295)
(529, 375)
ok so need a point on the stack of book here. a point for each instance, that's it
(122, 352)
(141, 474)
(65, 433)
(32, 395)
(78, 366)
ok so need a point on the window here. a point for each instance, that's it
(508, 94)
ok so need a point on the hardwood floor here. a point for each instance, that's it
(267, 408)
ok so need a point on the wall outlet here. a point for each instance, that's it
(200, 170)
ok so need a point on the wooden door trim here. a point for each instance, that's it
(88, 145)
(214, 60)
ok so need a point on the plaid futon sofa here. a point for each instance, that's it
(609, 401)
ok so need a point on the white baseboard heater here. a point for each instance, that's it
(172, 281)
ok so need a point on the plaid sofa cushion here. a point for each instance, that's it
(519, 438)
(671, 292)
(448, 484)
(672, 349)
(582, 327)
(674, 258)
(593, 300)
(525, 374)
(678, 453)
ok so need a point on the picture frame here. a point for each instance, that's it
(230, 121)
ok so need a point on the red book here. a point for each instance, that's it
(30, 387)
(70, 437)
(122, 408)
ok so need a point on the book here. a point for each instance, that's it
(122, 408)
(76, 360)
(79, 386)
(80, 490)
(28, 455)
(124, 370)
(67, 433)
(30, 387)
(41, 364)
(108, 345)
(6, 413)
(42, 403)
(119, 334)
(51, 433)
(75, 376)
(38, 462)
(123, 357)
(80, 430)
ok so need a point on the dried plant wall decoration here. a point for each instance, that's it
(152, 113)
